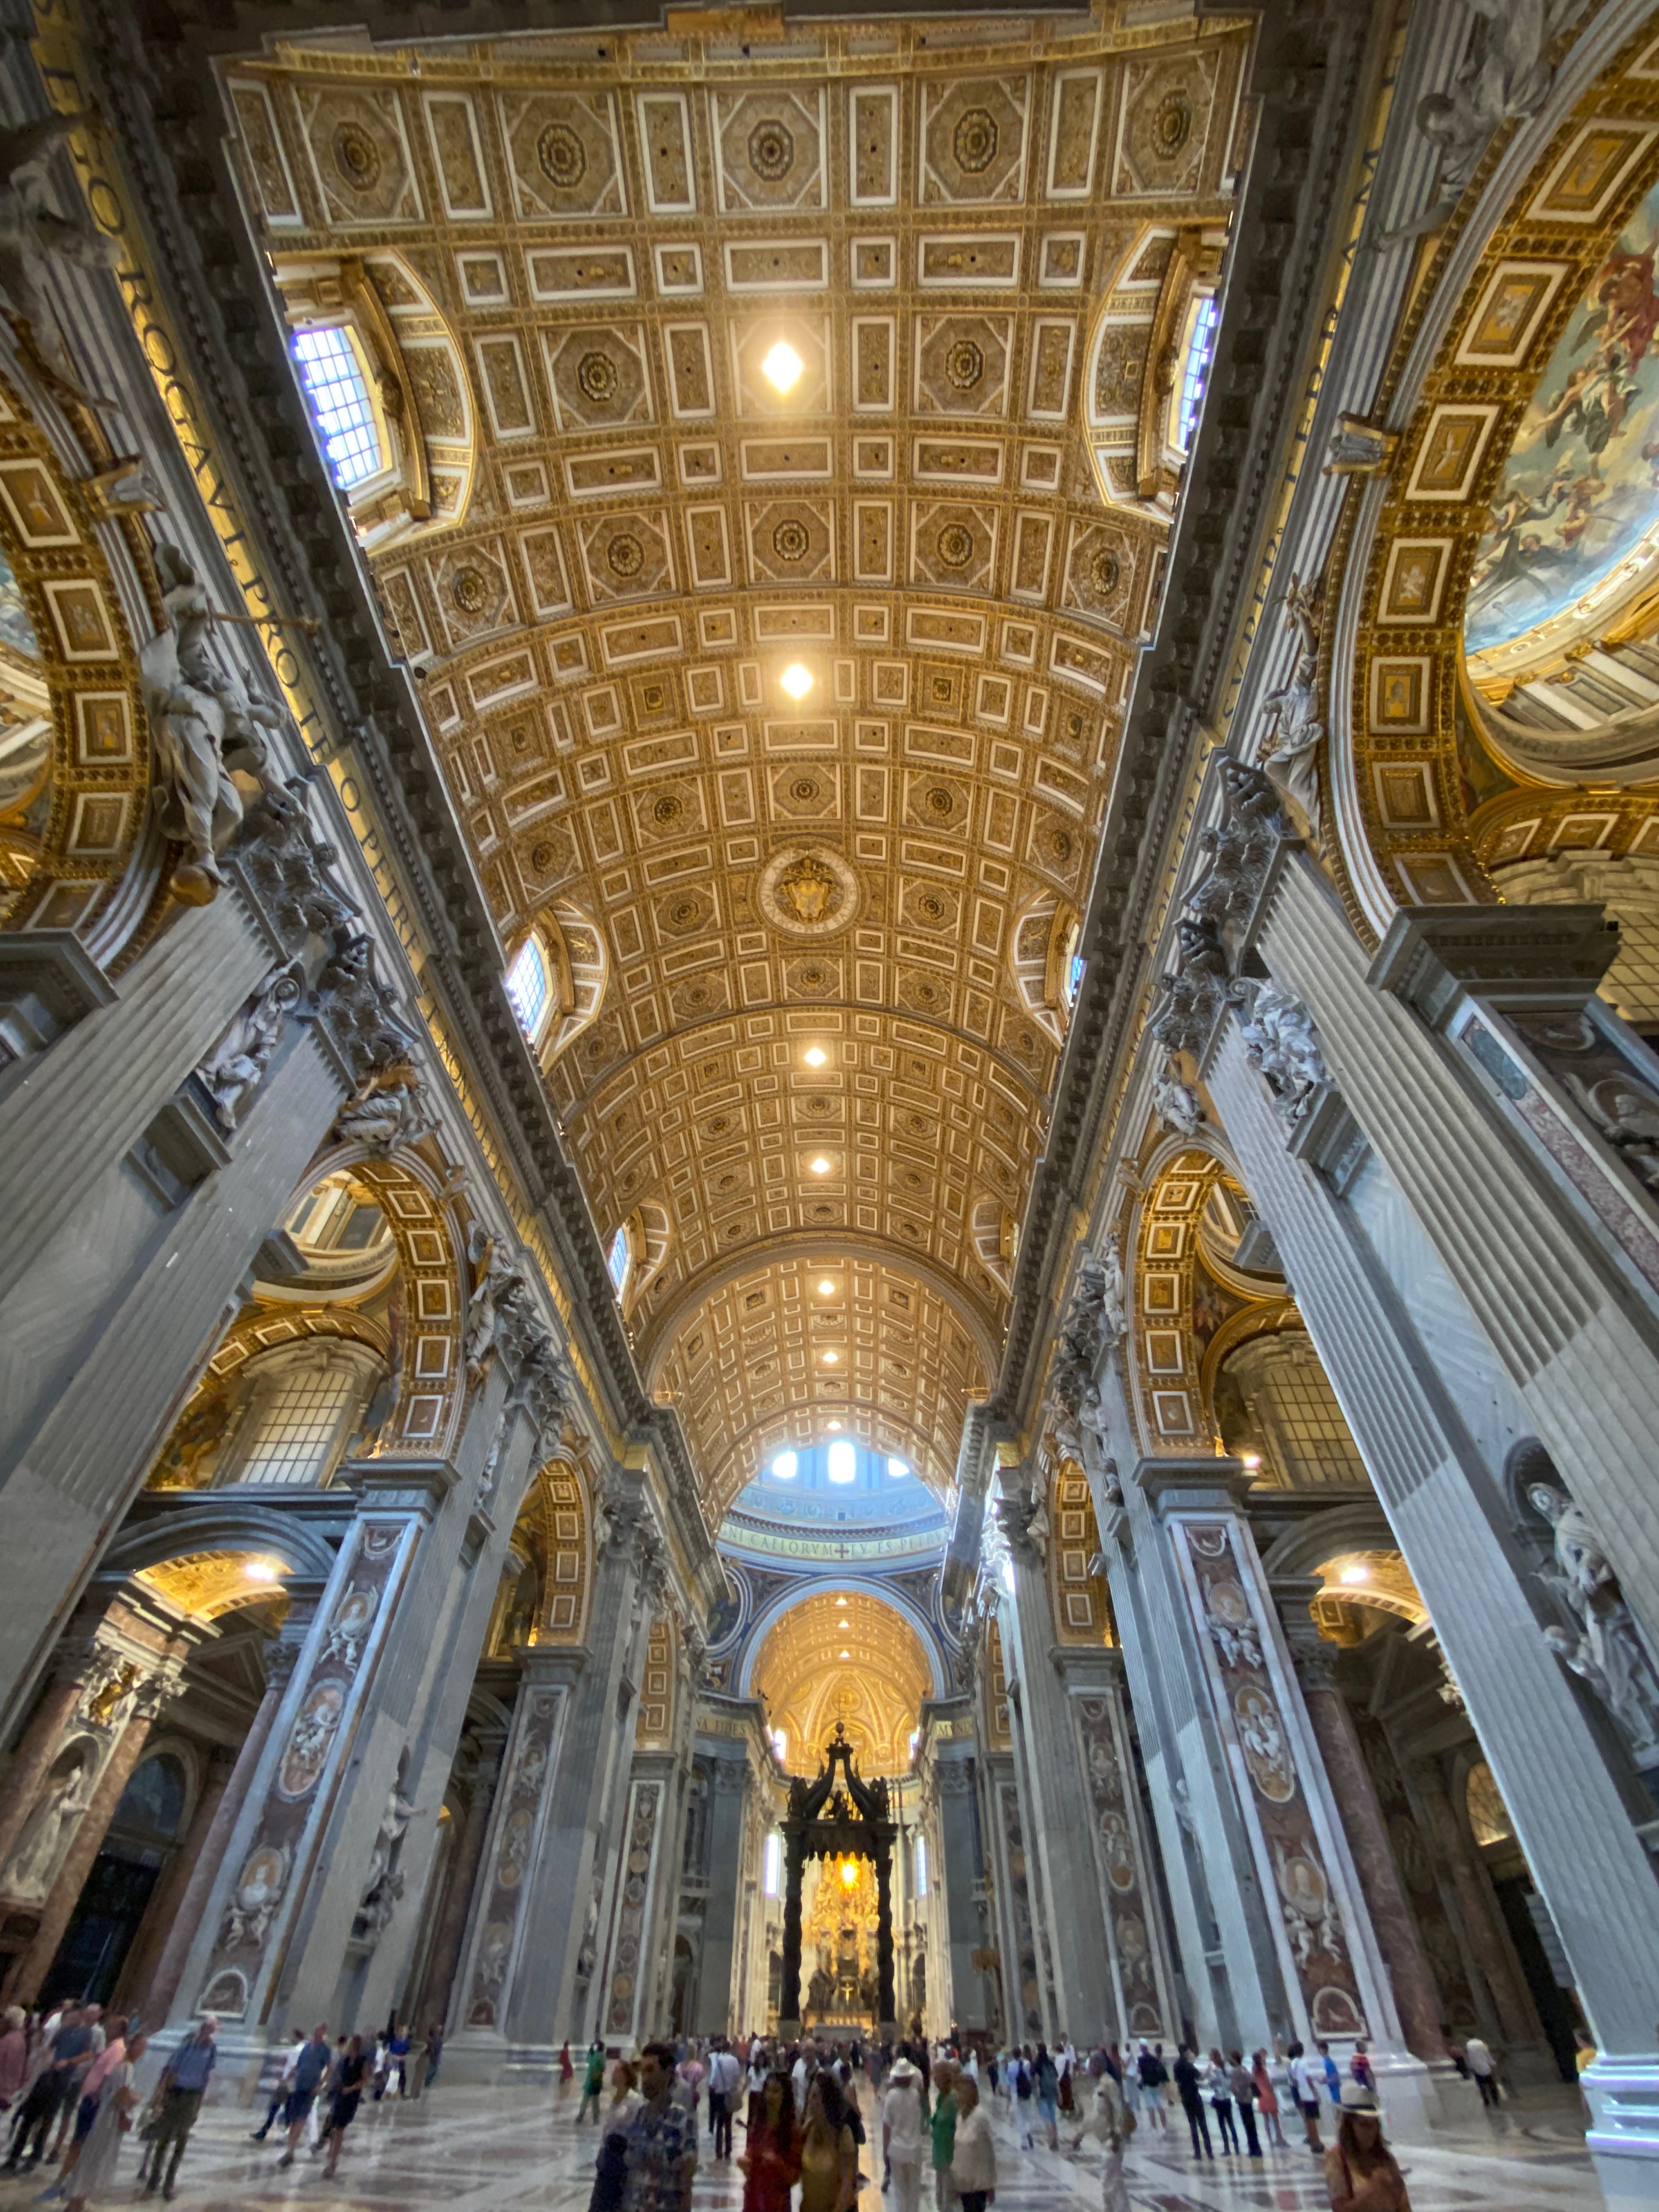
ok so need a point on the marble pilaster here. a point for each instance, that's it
(717, 1987)
(1427, 1403)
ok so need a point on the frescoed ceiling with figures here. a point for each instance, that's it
(775, 431)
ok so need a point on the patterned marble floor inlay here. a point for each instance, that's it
(492, 2150)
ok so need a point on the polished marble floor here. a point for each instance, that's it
(486, 2150)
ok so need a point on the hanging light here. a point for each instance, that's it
(782, 367)
(796, 680)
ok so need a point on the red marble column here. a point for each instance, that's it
(1517, 2017)
(161, 1916)
(1416, 1996)
(432, 2000)
(155, 1996)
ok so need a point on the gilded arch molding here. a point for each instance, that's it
(1430, 799)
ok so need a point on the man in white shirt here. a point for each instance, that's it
(1307, 2083)
(280, 2088)
(799, 2074)
(1477, 2057)
(724, 2075)
(901, 2135)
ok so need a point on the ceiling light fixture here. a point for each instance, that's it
(830, 1357)
(1252, 1460)
(796, 680)
(782, 367)
(820, 1166)
(845, 1655)
(260, 1571)
(1355, 1574)
(815, 1055)
(826, 1288)
(836, 1425)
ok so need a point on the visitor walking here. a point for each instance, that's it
(1154, 2080)
(1242, 2084)
(1134, 2096)
(1019, 2069)
(14, 2056)
(1113, 2122)
(1477, 2057)
(723, 2076)
(93, 2081)
(592, 2081)
(1221, 2103)
(434, 2053)
(94, 2169)
(65, 2049)
(1190, 2090)
(1361, 2172)
(828, 2154)
(770, 2163)
(972, 2154)
(348, 2087)
(943, 2125)
(611, 2166)
(1045, 2081)
(662, 2139)
(1307, 2080)
(1267, 2084)
(900, 2136)
(176, 2104)
(310, 2070)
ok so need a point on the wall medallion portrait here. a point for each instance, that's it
(1262, 1737)
(309, 1744)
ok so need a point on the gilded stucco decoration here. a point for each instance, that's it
(1077, 1597)
(555, 1504)
(205, 1585)
(654, 1727)
(847, 1657)
(1190, 1303)
(74, 764)
(797, 911)
(1507, 486)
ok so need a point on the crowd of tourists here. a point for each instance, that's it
(68, 2094)
(824, 2118)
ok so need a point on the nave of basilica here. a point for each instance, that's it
(796, 1234)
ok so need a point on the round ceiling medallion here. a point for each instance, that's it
(625, 555)
(964, 365)
(808, 893)
(771, 150)
(469, 590)
(596, 373)
(1104, 571)
(1172, 123)
(356, 156)
(562, 156)
(791, 540)
(974, 142)
(955, 546)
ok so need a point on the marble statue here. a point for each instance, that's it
(1605, 1648)
(33, 236)
(1280, 1039)
(1290, 754)
(386, 1883)
(388, 1111)
(238, 1069)
(51, 1822)
(204, 723)
(587, 1954)
(1176, 1102)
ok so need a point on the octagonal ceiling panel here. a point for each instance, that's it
(614, 235)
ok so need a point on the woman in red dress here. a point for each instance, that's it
(771, 2163)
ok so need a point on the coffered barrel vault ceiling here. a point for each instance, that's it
(569, 259)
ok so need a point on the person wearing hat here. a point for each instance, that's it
(1361, 2172)
(900, 2136)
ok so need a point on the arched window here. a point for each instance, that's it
(527, 986)
(783, 1466)
(338, 391)
(1196, 354)
(921, 1866)
(302, 1408)
(772, 1877)
(843, 1462)
(618, 1258)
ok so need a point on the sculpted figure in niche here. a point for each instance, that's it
(1280, 1039)
(205, 724)
(1176, 1102)
(52, 1819)
(1607, 1649)
(238, 1069)
(386, 1112)
(33, 236)
(1289, 754)
(386, 1883)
